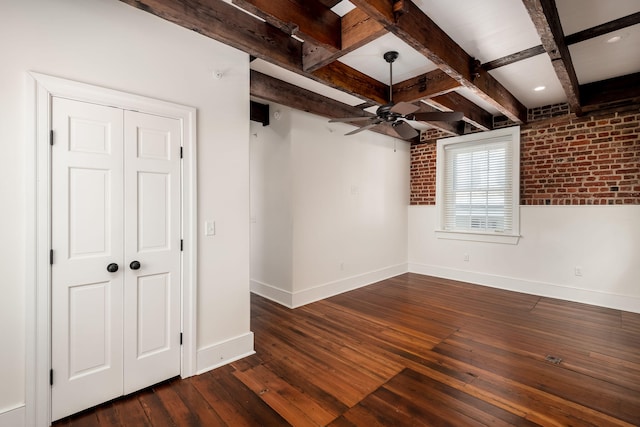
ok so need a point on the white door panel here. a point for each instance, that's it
(87, 311)
(152, 221)
(115, 199)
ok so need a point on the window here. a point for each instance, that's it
(478, 190)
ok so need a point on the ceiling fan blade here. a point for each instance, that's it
(404, 108)
(363, 128)
(404, 129)
(351, 119)
(438, 116)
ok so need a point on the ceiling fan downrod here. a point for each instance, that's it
(390, 57)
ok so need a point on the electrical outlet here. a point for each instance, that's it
(578, 271)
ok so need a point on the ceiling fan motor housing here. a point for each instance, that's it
(384, 112)
(390, 56)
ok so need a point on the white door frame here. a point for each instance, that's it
(42, 88)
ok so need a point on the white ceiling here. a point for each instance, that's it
(592, 58)
(578, 15)
(487, 29)
(491, 29)
(368, 59)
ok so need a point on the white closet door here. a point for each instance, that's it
(115, 203)
(87, 236)
(152, 230)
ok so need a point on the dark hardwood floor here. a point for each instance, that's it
(410, 351)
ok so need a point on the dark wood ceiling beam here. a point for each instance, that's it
(421, 33)
(309, 20)
(473, 114)
(329, 3)
(231, 26)
(589, 33)
(273, 90)
(433, 83)
(510, 59)
(349, 80)
(357, 30)
(611, 90)
(607, 27)
(455, 128)
(544, 15)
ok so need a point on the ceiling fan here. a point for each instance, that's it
(396, 114)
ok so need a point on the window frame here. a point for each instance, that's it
(512, 135)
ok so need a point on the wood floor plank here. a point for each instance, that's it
(408, 351)
(585, 390)
(181, 412)
(108, 415)
(224, 405)
(154, 409)
(131, 412)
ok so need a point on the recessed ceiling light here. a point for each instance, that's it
(539, 88)
(614, 39)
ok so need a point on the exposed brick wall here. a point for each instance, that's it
(423, 174)
(565, 160)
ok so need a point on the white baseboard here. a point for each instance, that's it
(223, 353)
(551, 290)
(13, 417)
(326, 290)
(271, 292)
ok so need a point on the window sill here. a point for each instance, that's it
(507, 239)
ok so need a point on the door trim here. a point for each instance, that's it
(41, 89)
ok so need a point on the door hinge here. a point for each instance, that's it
(180, 152)
(50, 376)
(181, 245)
(51, 137)
(180, 338)
(51, 256)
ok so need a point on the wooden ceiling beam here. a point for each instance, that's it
(452, 128)
(515, 57)
(404, 19)
(310, 20)
(357, 29)
(339, 75)
(589, 33)
(544, 15)
(329, 3)
(273, 90)
(433, 83)
(607, 27)
(473, 114)
(231, 26)
(611, 90)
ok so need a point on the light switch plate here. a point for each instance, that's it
(209, 228)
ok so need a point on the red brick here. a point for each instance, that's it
(565, 160)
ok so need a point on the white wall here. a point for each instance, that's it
(271, 203)
(603, 241)
(343, 204)
(110, 44)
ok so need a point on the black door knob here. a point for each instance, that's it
(112, 268)
(135, 265)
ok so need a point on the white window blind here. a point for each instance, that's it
(478, 185)
(478, 193)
